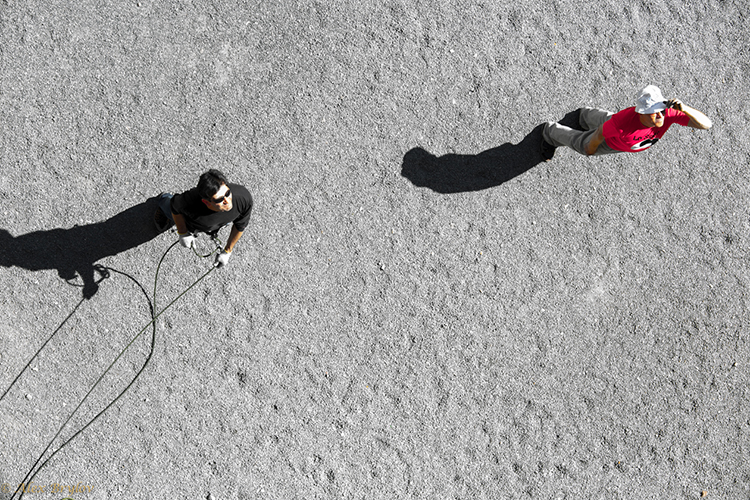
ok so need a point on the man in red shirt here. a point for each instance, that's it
(631, 130)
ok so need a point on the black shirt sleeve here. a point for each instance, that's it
(243, 201)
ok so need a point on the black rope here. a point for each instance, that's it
(217, 243)
(104, 273)
(152, 306)
(40, 349)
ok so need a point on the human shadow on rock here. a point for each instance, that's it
(457, 173)
(75, 251)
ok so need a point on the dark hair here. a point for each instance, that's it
(210, 183)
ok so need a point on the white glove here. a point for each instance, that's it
(223, 258)
(187, 240)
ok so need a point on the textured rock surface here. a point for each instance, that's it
(496, 327)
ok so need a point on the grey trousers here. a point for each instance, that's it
(590, 120)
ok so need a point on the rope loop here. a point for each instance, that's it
(105, 273)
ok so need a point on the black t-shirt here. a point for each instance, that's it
(199, 217)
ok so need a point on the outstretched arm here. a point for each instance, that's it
(179, 221)
(697, 119)
(186, 237)
(234, 237)
(223, 257)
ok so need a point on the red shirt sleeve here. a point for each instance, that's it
(678, 117)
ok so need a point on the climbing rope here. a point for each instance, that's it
(28, 479)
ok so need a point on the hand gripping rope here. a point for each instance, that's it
(104, 271)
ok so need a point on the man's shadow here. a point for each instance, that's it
(455, 173)
(75, 251)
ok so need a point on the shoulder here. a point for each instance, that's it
(626, 114)
(619, 120)
(189, 194)
(241, 192)
(187, 199)
(241, 198)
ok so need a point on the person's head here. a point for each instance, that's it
(651, 106)
(213, 189)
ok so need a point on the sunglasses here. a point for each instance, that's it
(222, 198)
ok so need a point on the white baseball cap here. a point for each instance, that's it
(650, 101)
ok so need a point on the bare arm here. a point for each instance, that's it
(697, 119)
(234, 237)
(179, 221)
(595, 141)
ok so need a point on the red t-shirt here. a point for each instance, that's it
(625, 132)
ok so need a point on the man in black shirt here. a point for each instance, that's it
(211, 205)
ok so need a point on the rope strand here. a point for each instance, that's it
(152, 304)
